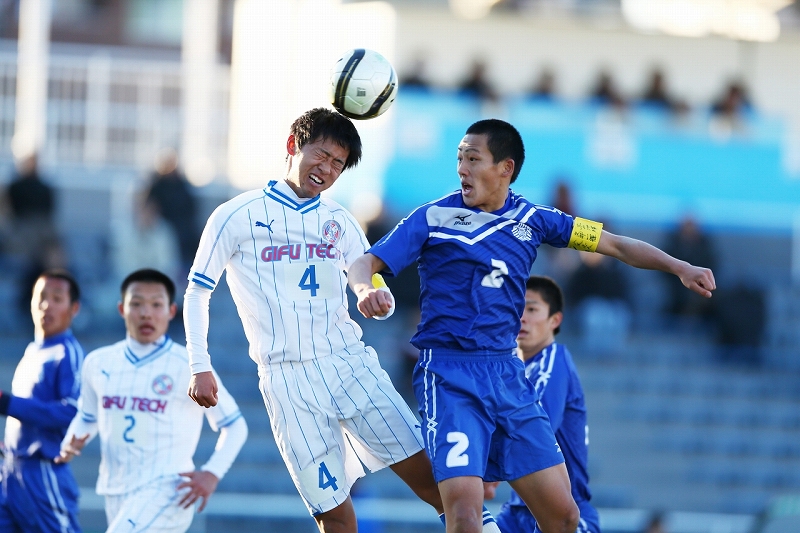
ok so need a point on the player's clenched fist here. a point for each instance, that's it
(203, 389)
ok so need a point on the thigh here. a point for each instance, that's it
(382, 427)
(305, 423)
(546, 492)
(152, 508)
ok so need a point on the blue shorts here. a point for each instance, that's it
(518, 519)
(481, 417)
(38, 496)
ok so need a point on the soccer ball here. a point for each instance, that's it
(363, 84)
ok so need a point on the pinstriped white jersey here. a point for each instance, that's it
(285, 259)
(148, 426)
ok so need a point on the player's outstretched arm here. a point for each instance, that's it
(372, 301)
(201, 485)
(640, 254)
(203, 389)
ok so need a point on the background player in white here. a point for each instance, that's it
(285, 250)
(551, 370)
(38, 496)
(133, 395)
(475, 249)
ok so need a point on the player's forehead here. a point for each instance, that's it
(149, 290)
(474, 143)
(51, 285)
(534, 297)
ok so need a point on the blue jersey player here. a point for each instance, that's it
(37, 495)
(475, 249)
(549, 366)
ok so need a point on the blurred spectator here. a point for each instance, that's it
(598, 293)
(733, 102)
(656, 94)
(173, 197)
(740, 313)
(544, 88)
(689, 243)
(147, 242)
(416, 77)
(656, 523)
(562, 197)
(477, 84)
(31, 241)
(605, 91)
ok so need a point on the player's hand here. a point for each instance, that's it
(203, 389)
(374, 302)
(699, 280)
(201, 485)
(72, 449)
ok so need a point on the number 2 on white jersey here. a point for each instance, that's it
(494, 279)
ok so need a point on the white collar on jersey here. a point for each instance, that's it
(142, 350)
(283, 194)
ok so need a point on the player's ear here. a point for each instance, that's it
(173, 309)
(555, 320)
(121, 309)
(291, 145)
(507, 167)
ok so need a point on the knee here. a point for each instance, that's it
(464, 519)
(570, 520)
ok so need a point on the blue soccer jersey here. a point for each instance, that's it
(44, 397)
(37, 494)
(553, 374)
(473, 266)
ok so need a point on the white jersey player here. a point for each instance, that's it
(285, 250)
(133, 396)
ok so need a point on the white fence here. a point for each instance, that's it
(106, 108)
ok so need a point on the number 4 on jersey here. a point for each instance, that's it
(309, 281)
(325, 478)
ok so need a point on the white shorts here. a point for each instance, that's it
(332, 415)
(152, 508)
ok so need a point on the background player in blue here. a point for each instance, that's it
(549, 366)
(38, 495)
(475, 249)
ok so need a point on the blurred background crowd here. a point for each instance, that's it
(688, 141)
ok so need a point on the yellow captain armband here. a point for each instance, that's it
(378, 281)
(585, 235)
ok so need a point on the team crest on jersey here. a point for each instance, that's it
(162, 385)
(522, 232)
(331, 232)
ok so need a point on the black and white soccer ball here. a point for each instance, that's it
(363, 84)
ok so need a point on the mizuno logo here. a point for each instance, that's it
(462, 220)
(260, 224)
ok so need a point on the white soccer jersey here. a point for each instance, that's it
(285, 259)
(148, 425)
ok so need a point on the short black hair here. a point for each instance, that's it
(60, 273)
(148, 275)
(503, 141)
(321, 123)
(550, 292)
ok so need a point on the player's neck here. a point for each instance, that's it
(532, 351)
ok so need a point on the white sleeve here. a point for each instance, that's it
(78, 428)
(230, 441)
(195, 322)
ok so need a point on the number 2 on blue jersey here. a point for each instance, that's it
(309, 281)
(325, 478)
